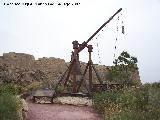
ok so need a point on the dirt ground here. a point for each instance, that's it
(61, 112)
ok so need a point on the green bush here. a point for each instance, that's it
(128, 115)
(10, 104)
(131, 104)
(106, 101)
(9, 89)
(33, 86)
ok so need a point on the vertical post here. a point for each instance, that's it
(74, 73)
(90, 74)
(75, 58)
(90, 68)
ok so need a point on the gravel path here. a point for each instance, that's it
(60, 112)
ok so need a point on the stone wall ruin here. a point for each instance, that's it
(23, 69)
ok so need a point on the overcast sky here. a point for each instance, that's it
(48, 31)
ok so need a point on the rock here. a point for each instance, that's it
(78, 101)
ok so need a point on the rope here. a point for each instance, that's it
(98, 53)
(119, 18)
(115, 47)
(122, 26)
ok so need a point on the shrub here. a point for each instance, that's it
(9, 89)
(128, 115)
(9, 103)
(103, 101)
(33, 86)
(131, 104)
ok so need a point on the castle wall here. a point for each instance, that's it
(23, 68)
(18, 60)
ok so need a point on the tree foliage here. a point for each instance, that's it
(124, 68)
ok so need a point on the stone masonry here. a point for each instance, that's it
(23, 69)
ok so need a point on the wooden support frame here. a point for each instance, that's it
(75, 61)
